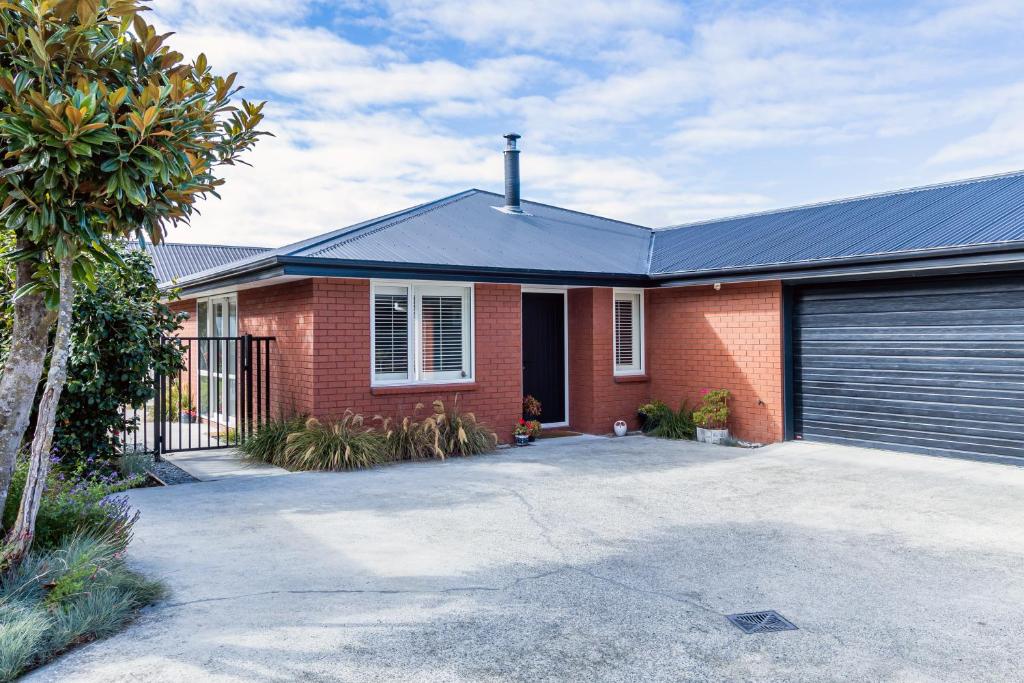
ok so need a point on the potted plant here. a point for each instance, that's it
(534, 429)
(521, 432)
(712, 417)
(531, 408)
(182, 402)
(650, 414)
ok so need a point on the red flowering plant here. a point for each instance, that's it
(522, 428)
(533, 427)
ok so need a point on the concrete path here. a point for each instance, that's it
(590, 559)
(221, 463)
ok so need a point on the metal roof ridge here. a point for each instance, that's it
(578, 213)
(316, 240)
(650, 253)
(308, 243)
(360, 231)
(843, 200)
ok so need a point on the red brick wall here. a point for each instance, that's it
(731, 339)
(596, 397)
(286, 312)
(282, 311)
(696, 338)
(342, 358)
(321, 356)
(191, 369)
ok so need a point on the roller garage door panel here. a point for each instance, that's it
(928, 366)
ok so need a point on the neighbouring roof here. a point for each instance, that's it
(466, 236)
(980, 212)
(173, 261)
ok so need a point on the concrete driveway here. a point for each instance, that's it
(584, 559)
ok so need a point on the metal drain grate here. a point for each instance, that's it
(761, 622)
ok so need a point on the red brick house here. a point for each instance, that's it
(857, 321)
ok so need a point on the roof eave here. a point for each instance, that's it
(323, 267)
(931, 261)
(304, 266)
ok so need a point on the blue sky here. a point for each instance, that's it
(648, 111)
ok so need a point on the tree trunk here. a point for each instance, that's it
(19, 379)
(20, 537)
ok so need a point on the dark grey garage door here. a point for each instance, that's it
(931, 366)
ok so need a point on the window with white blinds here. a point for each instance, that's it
(421, 333)
(391, 333)
(628, 332)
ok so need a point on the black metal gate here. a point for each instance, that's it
(218, 397)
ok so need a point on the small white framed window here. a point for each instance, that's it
(628, 331)
(421, 333)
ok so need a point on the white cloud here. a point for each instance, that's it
(975, 16)
(541, 25)
(645, 111)
(433, 82)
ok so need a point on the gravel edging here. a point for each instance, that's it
(170, 474)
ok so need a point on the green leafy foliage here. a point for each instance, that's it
(179, 401)
(105, 132)
(73, 507)
(116, 349)
(661, 421)
(651, 414)
(64, 596)
(6, 293)
(676, 424)
(713, 412)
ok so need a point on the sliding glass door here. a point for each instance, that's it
(217, 321)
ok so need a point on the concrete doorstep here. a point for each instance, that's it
(221, 463)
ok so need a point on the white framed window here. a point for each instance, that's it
(216, 323)
(628, 331)
(421, 333)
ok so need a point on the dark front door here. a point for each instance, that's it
(544, 353)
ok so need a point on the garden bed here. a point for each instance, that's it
(352, 442)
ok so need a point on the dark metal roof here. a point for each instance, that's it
(469, 231)
(174, 261)
(926, 221)
(467, 236)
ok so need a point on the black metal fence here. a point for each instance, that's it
(217, 399)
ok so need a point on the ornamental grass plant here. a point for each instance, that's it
(67, 595)
(350, 443)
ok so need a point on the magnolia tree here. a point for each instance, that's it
(105, 134)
